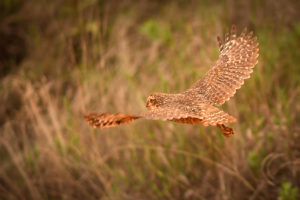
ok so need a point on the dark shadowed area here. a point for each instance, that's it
(62, 59)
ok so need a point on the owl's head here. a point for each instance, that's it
(155, 100)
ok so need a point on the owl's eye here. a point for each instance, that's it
(152, 101)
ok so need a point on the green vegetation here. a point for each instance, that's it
(287, 192)
(62, 59)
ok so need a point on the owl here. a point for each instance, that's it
(197, 105)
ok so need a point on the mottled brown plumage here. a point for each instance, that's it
(238, 56)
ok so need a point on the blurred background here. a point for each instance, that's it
(62, 59)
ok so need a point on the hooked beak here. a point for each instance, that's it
(147, 104)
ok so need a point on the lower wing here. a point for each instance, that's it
(202, 114)
(107, 120)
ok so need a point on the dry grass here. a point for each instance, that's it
(108, 56)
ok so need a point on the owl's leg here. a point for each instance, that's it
(226, 131)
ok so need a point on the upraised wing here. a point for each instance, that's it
(238, 56)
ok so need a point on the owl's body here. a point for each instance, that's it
(238, 56)
(183, 107)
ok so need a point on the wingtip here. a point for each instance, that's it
(244, 32)
(233, 29)
(220, 43)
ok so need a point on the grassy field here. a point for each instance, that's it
(62, 59)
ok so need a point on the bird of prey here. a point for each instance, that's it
(196, 105)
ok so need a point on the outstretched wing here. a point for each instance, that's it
(238, 56)
(107, 120)
(200, 114)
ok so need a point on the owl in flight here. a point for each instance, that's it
(238, 56)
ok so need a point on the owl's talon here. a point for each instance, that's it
(226, 131)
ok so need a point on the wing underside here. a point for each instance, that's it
(238, 56)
